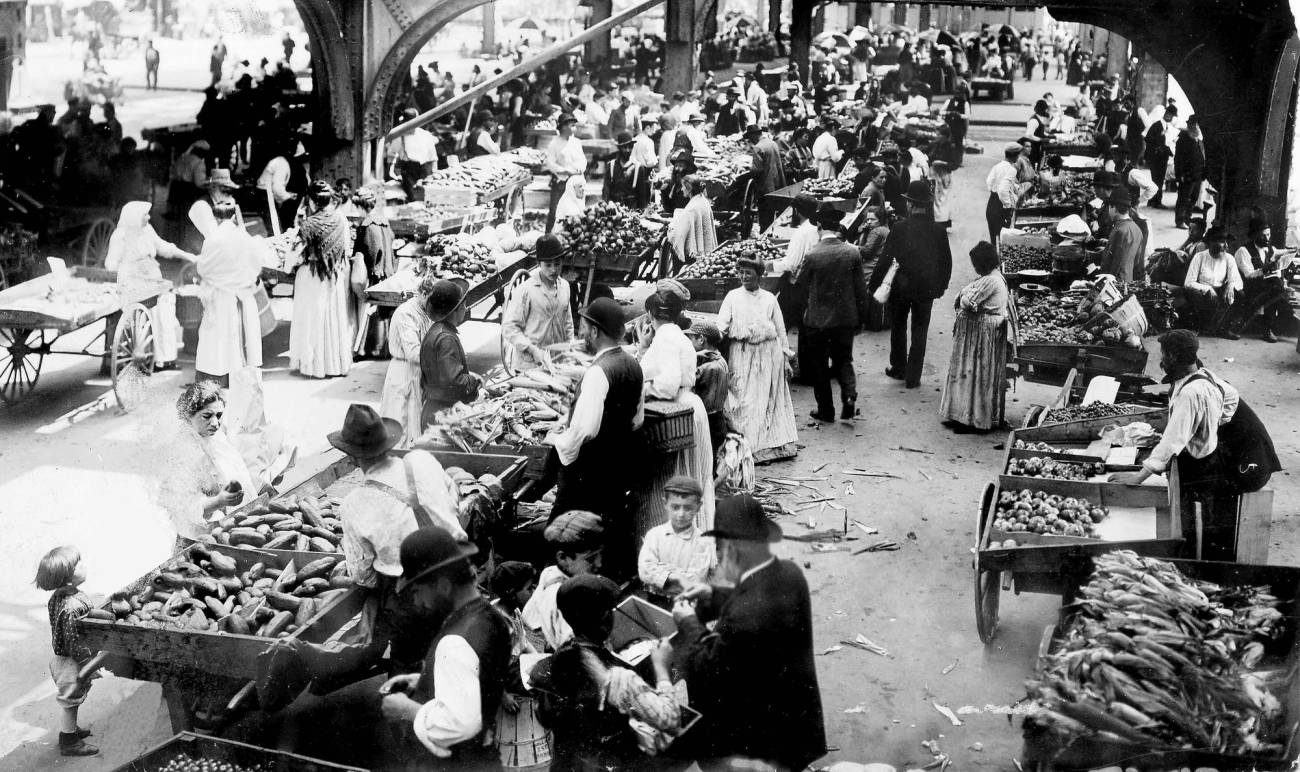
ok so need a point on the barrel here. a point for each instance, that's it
(524, 743)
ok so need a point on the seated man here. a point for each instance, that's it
(1212, 284)
(674, 555)
(587, 695)
(578, 538)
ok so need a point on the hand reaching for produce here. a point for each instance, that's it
(1129, 478)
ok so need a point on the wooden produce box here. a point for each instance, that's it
(218, 653)
(1281, 656)
(193, 746)
(1050, 362)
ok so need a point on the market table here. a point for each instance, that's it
(397, 289)
(37, 312)
(996, 88)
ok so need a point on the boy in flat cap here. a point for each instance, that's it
(674, 555)
(578, 538)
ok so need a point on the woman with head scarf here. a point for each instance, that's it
(572, 202)
(974, 394)
(668, 372)
(401, 398)
(759, 359)
(693, 232)
(321, 336)
(230, 335)
(133, 251)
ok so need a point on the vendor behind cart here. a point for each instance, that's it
(539, 314)
(1201, 407)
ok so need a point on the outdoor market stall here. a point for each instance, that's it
(190, 752)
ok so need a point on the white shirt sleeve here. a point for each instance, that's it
(584, 421)
(1193, 279)
(437, 492)
(486, 142)
(456, 714)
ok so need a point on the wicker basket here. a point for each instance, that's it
(669, 427)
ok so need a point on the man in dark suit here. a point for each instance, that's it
(769, 172)
(836, 289)
(920, 247)
(753, 677)
(1189, 166)
(1157, 154)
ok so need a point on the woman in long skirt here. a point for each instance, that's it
(760, 401)
(668, 368)
(974, 394)
(401, 399)
(320, 339)
(133, 251)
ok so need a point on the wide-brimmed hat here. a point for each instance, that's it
(550, 247)
(827, 217)
(752, 262)
(1216, 233)
(222, 177)
(444, 297)
(606, 314)
(623, 139)
(695, 117)
(1120, 198)
(753, 130)
(804, 204)
(1105, 179)
(741, 518)
(426, 550)
(365, 434)
(918, 192)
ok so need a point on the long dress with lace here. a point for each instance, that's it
(668, 369)
(974, 392)
(324, 323)
(759, 402)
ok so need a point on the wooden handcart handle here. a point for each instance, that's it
(96, 662)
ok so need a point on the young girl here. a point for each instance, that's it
(62, 573)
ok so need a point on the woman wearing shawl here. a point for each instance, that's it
(230, 335)
(133, 251)
(571, 203)
(974, 394)
(692, 232)
(760, 401)
(401, 398)
(668, 372)
(321, 336)
(374, 247)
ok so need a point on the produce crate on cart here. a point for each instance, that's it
(395, 290)
(1042, 217)
(1045, 751)
(214, 751)
(1130, 394)
(1051, 362)
(1143, 518)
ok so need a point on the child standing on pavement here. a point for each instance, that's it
(62, 573)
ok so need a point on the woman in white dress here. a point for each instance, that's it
(760, 401)
(230, 334)
(207, 476)
(668, 370)
(133, 251)
(324, 323)
(401, 399)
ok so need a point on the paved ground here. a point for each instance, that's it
(74, 470)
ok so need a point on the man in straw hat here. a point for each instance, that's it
(539, 314)
(445, 715)
(920, 248)
(596, 452)
(760, 652)
(837, 307)
(445, 377)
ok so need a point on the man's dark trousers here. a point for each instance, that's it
(903, 359)
(833, 345)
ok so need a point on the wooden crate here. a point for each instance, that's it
(222, 654)
(1283, 654)
(194, 746)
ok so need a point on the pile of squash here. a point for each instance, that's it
(295, 523)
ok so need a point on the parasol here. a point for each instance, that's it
(529, 23)
(859, 33)
(833, 39)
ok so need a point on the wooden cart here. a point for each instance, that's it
(1051, 363)
(492, 288)
(32, 320)
(207, 677)
(80, 232)
(193, 746)
(1043, 752)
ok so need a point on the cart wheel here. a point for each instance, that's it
(988, 583)
(520, 276)
(132, 355)
(94, 247)
(21, 354)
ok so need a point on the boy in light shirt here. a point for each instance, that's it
(675, 555)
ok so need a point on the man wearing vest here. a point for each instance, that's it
(1204, 412)
(596, 453)
(445, 715)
